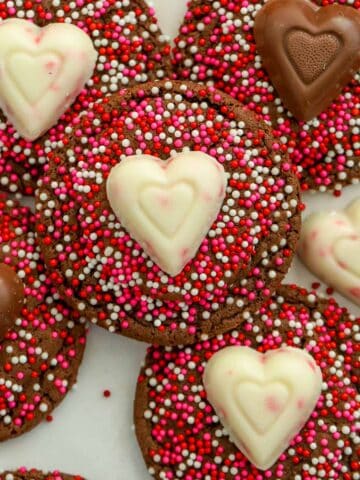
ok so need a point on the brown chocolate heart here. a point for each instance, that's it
(310, 52)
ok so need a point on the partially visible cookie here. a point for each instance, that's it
(131, 50)
(216, 46)
(95, 261)
(41, 351)
(33, 474)
(329, 247)
(181, 436)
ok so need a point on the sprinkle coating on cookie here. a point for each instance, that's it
(180, 434)
(40, 355)
(107, 276)
(131, 50)
(216, 45)
(24, 474)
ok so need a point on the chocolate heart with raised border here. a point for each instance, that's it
(167, 206)
(175, 202)
(309, 52)
(263, 400)
(253, 399)
(35, 83)
(42, 70)
(330, 247)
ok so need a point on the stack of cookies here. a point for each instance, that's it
(167, 184)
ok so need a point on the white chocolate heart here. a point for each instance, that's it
(347, 254)
(42, 70)
(263, 400)
(254, 399)
(167, 207)
(34, 83)
(330, 247)
(175, 201)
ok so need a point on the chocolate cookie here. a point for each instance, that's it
(329, 248)
(33, 474)
(216, 45)
(94, 260)
(181, 436)
(131, 50)
(12, 296)
(41, 350)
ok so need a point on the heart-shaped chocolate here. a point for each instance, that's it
(253, 399)
(263, 400)
(34, 85)
(174, 201)
(347, 254)
(167, 206)
(42, 70)
(330, 248)
(309, 52)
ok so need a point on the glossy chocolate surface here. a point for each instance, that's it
(309, 52)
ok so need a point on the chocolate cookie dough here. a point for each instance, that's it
(216, 46)
(131, 50)
(42, 349)
(181, 436)
(24, 474)
(106, 275)
(11, 297)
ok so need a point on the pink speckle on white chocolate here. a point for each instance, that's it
(300, 403)
(273, 404)
(312, 366)
(355, 292)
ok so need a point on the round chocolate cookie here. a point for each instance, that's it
(216, 45)
(181, 436)
(33, 474)
(131, 50)
(42, 348)
(106, 275)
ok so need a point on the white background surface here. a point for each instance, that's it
(90, 435)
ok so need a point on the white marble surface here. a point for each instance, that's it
(91, 435)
